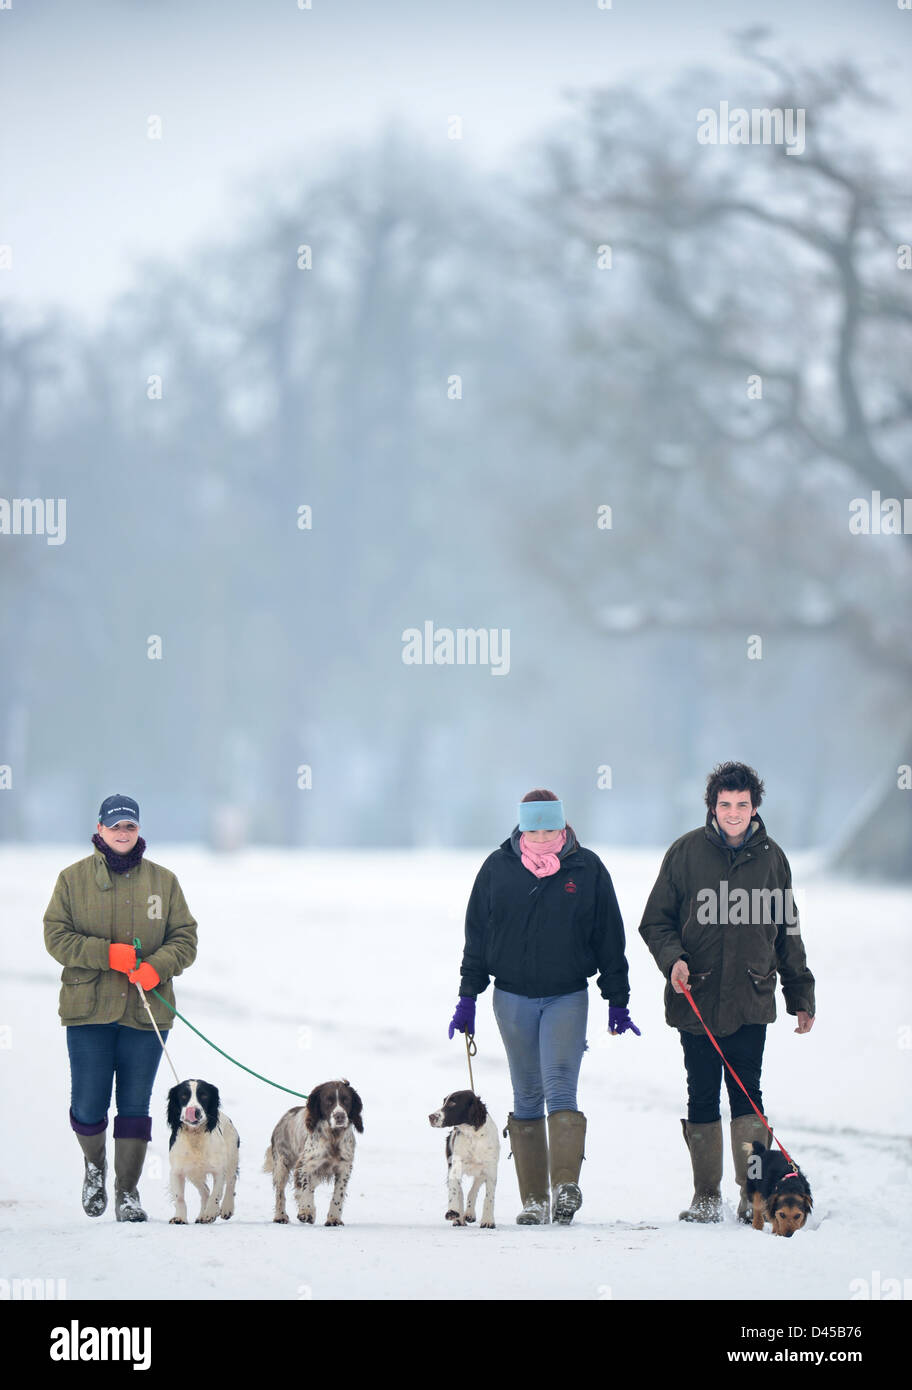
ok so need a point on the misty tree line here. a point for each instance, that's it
(581, 386)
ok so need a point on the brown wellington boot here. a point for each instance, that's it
(566, 1142)
(94, 1197)
(129, 1157)
(529, 1143)
(704, 1143)
(744, 1130)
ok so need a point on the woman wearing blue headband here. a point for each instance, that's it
(541, 919)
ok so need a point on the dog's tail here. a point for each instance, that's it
(267, 1162)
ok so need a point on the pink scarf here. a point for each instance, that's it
(541, 859)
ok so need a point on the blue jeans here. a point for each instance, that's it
(545, 1041)
(101, 1052)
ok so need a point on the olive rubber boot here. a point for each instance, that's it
(129, 1157)
(94, 1197)
(529, 1143)
(566, 1141)
(744, 1130)
(704, 1143)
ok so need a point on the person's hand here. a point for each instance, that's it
(680, 974)
(619, 1021)
(805, 1022)
(463, 1020)
(121, 956)
(146, 975)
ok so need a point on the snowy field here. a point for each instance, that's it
(347, 964)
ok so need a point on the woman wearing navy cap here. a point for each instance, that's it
(542, 918)
(100, 906)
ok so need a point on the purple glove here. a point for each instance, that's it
(463, 1020)
(619, 1021)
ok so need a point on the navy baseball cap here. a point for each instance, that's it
(115, 808)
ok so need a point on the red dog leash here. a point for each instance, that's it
(685, 990)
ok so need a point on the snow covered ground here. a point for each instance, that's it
(314, 966)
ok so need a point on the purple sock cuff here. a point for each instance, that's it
(133, 1127)
(80, 1128)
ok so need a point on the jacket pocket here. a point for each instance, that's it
(78, 993)
(679, 1011)
(763, 983)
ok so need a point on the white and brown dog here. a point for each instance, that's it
(472, 1151)
(315, 1143)
(204, 1143)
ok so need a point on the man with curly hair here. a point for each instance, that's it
(722, 921)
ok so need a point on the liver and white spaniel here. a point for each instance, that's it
(472, 1150)
(315, 1143)
(204, 1143)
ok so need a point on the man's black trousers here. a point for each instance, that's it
(744, 1050)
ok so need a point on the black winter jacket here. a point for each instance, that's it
(544, 936)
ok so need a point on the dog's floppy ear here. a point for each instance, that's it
(174, 1112)
(213, 1104)
(356, 1109)
(312, 1111)
(477, 1113)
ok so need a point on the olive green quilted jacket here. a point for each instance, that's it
(90, 908)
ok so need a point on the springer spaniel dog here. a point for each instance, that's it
(315, 1143)
(204, 1142)
(472, 1150)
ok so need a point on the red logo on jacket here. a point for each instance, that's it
(569, 886)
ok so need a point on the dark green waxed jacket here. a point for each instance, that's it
(90, 908)
(730, 915)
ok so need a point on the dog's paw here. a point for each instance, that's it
(470, 1217)
(281, 1220)
(334, 1221)
(306, 1218)
(458, 1221)
(204, 1220)
(177, 1221)
(487, 1225)
(226, 1215)
(451, 1215)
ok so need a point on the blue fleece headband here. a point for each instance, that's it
(541, 815)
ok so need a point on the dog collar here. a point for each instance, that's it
(793, 1174)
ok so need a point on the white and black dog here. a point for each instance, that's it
(204, 1143)
(472, 1150)
(315, 1143)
